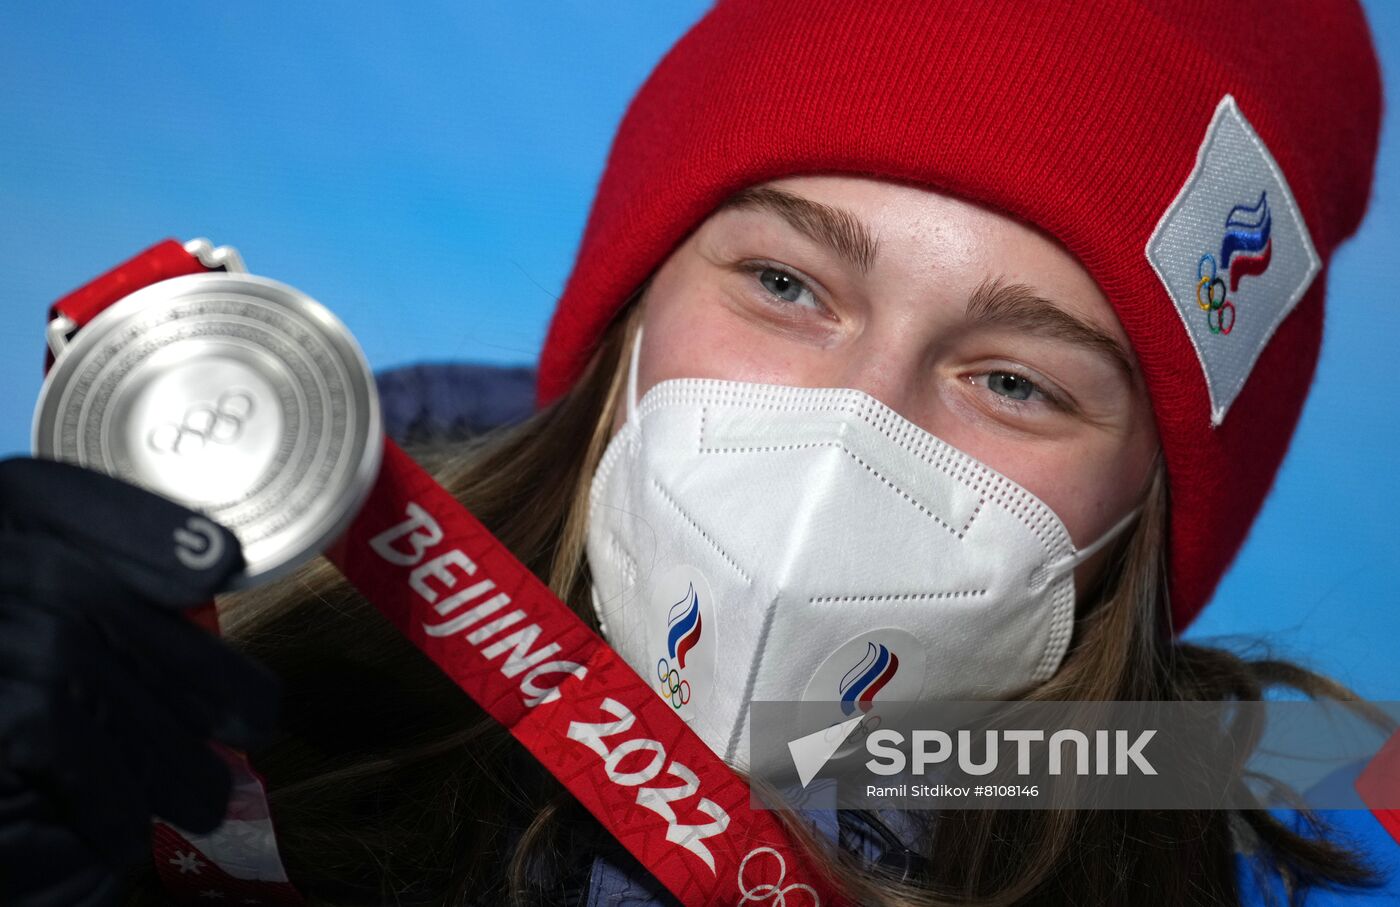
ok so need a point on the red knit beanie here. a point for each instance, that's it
(1201, 160)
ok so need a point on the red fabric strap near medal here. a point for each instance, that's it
(160, 262)
(502, 636)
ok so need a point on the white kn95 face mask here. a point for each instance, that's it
(763, 542)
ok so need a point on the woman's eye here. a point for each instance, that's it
(786, 287)
(1009, 385)
(1013, 388)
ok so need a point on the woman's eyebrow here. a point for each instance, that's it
(1018, 306)
(993, 303)
(838, 230)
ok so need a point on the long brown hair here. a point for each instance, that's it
(389, 785)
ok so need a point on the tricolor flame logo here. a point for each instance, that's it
(1247, 248)
(683, 626)
(868, 677)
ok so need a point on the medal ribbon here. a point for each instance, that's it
(527, 659)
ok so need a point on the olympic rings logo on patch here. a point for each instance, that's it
(673, 688)
(1245, 251)
(1214, 305)
(773, 892)
(220, 423)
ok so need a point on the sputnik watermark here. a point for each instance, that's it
(1113, 754)
(1089, 755)
(1067, 751)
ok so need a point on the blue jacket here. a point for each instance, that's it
(453, 401)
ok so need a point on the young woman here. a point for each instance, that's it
(1074, 251)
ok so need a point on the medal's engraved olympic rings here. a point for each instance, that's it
(220, 423)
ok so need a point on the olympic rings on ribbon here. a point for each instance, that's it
(676, 689)
(772, 891)
(1213, 306)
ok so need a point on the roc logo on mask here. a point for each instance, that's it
(886, 662)
(679, 618)
(867, 678)
(683, 628)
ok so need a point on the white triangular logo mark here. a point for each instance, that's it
(811, 752)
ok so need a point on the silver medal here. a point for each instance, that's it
(235, 395)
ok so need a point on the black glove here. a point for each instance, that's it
(108, 694)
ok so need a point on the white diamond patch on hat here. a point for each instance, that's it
(1233, 252)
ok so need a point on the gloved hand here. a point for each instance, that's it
(108, 693)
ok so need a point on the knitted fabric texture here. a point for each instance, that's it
(1084, 119)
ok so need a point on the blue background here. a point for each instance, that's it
(426, 169)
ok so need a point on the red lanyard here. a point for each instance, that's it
(493, 627)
